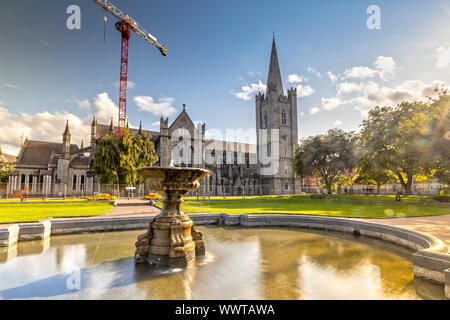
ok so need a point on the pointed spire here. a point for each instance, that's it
(67, 132)
(274, 76)
(128, 127)
(82, 144)
(94, 122)
(111, 126)
(140, 127)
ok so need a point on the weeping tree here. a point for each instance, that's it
(326, 156)
(117, 160)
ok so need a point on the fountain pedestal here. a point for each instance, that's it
(171, 239)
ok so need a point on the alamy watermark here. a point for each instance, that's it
(192, 149)
(73, 22)
(374, 20)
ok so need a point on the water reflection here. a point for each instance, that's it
(239, 264)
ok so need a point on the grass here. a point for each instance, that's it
(331, 197)
(34, 211)
(318, 207)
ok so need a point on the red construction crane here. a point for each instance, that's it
(124, 26)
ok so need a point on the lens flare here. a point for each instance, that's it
(389, 212)
(447, 135)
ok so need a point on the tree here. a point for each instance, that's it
(402, 139)
(340, 181)
(117, 161)
(371, 174)
(326, 156)
(5, 171)
(440, 137)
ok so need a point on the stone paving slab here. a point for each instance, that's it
(438, 226)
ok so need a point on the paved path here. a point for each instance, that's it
(438, 226)
(133, 207)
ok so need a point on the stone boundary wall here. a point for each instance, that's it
(431, 259)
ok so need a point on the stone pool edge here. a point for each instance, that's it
(431, 259)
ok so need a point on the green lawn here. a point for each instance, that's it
(330, 196)
(317, 207)
(36, 211)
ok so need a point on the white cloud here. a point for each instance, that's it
(84, 104)
(106, 109)
(337, 123)
(348, 87)
(384, 68)
(314, 110)
(304, 91)
(330, 103)
(410, 90)
(249, 90)
(314, 71)
(48, 126)
(295, 78)
(302, 114)
(332, 77)
(10, 86)
(359, 72)
(161, 108)
(156, 124)
(442, 56)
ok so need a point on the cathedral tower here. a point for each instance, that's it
(276, 114)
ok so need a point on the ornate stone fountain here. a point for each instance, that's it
(171, 239)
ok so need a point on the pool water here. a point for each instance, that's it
(240, 263)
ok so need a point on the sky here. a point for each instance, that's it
(218, 59)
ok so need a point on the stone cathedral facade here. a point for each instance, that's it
(54, 168)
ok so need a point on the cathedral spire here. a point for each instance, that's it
(111, 127)
(67, 132)
(140, 127)
(274, 78)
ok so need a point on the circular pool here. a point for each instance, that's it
(240, 263)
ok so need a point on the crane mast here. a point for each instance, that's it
(125, 25)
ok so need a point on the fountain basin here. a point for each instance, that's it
(171, 239)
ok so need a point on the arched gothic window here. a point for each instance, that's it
(283, 117)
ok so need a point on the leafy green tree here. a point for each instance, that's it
(117, 161)
(440, 137)
(5, 171)
(405, 139)
(371, 174)
(326, 156)
(340, 181)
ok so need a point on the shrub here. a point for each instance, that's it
(102, 196)
(153, 196)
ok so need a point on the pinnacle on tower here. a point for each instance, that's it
(67, 132)
(274, 76)
(140, 127)
(94, 122)
(82, 144)
(111, 126)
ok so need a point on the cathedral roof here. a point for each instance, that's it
(39, 153)
(103, 130)
(274, 76)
